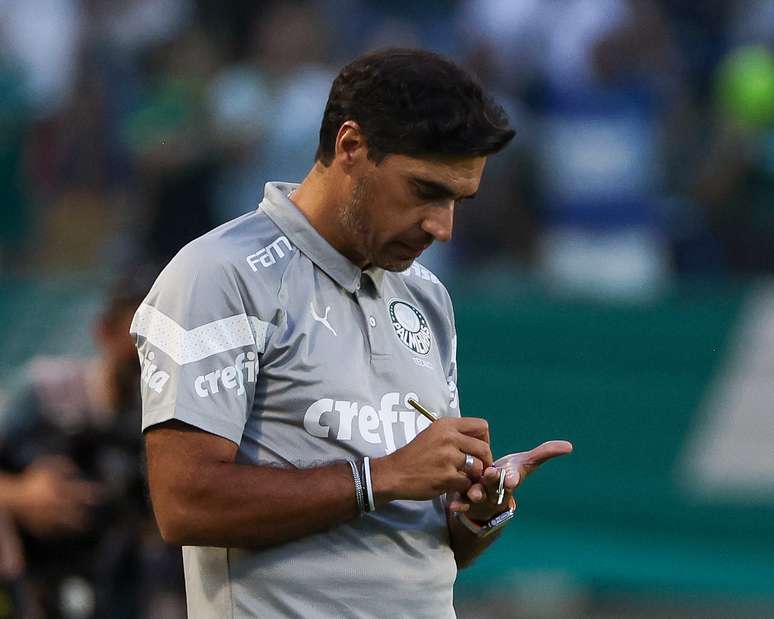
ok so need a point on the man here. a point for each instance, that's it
(281, 351)
(70, 478)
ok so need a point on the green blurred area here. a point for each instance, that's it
(624, 383)
(42, 317)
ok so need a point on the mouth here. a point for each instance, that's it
(413, 250)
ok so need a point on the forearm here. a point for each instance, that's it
(466, 545)
(202, 497)
(243, 505)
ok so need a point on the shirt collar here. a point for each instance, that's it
(301, 233)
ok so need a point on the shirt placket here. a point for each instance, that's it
(372, 308)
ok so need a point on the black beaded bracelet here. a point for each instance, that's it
(361, 504)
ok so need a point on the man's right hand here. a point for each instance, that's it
(203, 497)
(433, 462)
(52, 499)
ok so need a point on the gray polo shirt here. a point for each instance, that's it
(262, 333)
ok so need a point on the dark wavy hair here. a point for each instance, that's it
(413, 102)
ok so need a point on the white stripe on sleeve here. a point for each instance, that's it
(186, 346)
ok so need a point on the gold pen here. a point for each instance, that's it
(421, 409)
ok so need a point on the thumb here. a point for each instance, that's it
(546, 451)
(525, 462)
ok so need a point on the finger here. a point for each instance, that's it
(547, 451)
(475, 447)
(460, 483)
(476, 493)
(491, 478)
(473, 426)
(459, 506)
(488, 483)
(512, 480)
(473, 471)
(456, 503)
(525, 462)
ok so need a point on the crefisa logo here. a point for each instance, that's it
(151, 374)
(410, 326)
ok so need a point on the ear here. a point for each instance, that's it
(351, 148)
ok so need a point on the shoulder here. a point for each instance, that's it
(242, 259)
(241, 246)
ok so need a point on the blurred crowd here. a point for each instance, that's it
(645, 144)
(77, 536)
(644, 152)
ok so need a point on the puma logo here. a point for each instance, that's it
(322, 319)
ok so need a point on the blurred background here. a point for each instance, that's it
(612, 279)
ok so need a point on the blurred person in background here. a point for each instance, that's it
(71, 478)
(168, 136)
(43, 38)
(608, 87)
(265, 108)
(596, 78)
(735, 180)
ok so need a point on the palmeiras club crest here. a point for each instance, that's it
(410, 326)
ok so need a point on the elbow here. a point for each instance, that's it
(172, 527)
(183, 522)
(171, 532)
(174, 519)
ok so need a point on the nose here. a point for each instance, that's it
(439, 221)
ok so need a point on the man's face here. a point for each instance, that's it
(398, 208)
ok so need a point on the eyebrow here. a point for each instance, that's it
(438, 189)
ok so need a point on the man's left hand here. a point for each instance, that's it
(480, 501)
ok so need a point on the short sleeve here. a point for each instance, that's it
(199, 348)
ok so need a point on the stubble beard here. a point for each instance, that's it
(352, 215)
(354, 220)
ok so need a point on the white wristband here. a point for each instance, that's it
(368, 484)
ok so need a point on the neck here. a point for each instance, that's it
(319, 197)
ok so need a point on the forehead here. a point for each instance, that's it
(463, 174)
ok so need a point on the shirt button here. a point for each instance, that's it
(372, 321)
